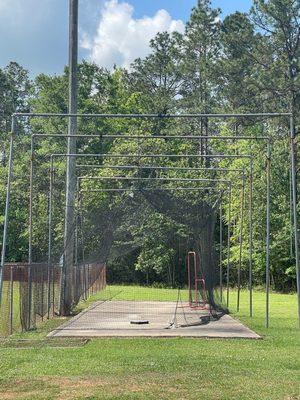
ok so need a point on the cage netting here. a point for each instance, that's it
(143, 233)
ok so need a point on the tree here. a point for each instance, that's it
(201, 48)
(15, 87)
(279, 20)
(201, 56)
(159, 76)
(236, 79)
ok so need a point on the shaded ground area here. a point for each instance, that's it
(161, 319)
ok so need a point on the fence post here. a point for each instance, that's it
(29, 296)
(11, 303)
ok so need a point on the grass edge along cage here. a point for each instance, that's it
(292, 138)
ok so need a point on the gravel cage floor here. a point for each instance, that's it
(114, 319)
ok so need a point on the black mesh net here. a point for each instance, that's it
(144, 233)
(132, 240)
(135, 222)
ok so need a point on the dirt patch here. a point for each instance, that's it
(56, 388)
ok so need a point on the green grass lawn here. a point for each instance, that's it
(161, 368)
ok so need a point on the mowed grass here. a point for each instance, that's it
(163, 368)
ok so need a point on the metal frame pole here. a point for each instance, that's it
(50, 238)
(11, 302)
(295, 214)
(7, 202)
(50, 213)
(218, 156)
(150, 167)
(77, 218)
(221, 252)
(83, 272)
(30, 230)
(241, 244)
(160, 188)
(251, 241)
(268, 236)
(129, 178)
(29, 296)
(291, 215)
(228, 244)
(155, 116)
(147, 137)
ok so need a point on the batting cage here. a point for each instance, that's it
(150, 228)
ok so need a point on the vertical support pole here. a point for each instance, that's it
(241, 243)
(195, 278)
(11, 302)
(221, 252)
(77, 289)
(295, 214)
(53, 290)
(30, 202)
(77, 224)
(189, 279)
(291, 216)
(34, 280)
(268, 235)
(42, 284)
(228, 244)
(48, 290)
(7, 202)
(84, 282)
(251, 240)
(66, 292)
(76, 242)
(50, 237)
(50, 213)
(29, 296)
(89, 280)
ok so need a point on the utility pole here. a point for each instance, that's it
(68, 259)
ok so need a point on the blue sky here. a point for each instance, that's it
(35, 33)
(181, 8)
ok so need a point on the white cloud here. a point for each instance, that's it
(120, 38)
